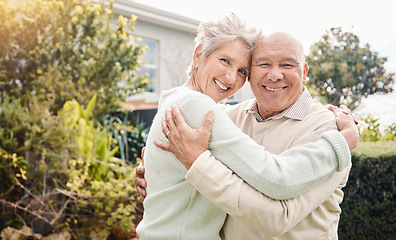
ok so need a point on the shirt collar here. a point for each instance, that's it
(298, 110)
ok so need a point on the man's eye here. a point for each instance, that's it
(263, 64)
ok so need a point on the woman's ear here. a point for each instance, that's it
(197, 55)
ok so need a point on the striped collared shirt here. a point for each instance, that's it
(296, 111)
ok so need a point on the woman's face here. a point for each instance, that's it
(224, 71)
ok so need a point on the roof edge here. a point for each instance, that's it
(156, 16)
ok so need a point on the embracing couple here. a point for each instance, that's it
(268, 168)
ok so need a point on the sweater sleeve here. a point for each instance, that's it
(283, 176)
(234, 196)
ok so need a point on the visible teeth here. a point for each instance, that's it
(273, 89)
(220, 85)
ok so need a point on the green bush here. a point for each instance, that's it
(370, 130)
(130, 136)
(369, 206)
(98, 179)
(32, 144)
(62, 50)
(67, 172)
(63, 65)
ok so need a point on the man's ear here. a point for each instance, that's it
(197, 55)
(305, 73)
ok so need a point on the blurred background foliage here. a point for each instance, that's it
(129, 133)
(371, 130)
(369, 205)
(61, 50)
(342, 71)
(64, 67)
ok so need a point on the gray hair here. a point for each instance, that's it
(211, 35)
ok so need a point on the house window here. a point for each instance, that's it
(150, 57)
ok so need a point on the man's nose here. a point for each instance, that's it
(275, 73)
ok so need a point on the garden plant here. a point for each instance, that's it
(64, 66)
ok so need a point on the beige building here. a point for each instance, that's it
(170, 40)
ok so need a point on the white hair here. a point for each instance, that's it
(211, 35)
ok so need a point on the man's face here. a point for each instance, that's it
(278, 73)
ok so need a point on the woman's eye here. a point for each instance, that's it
(243, 71)
(225, 60)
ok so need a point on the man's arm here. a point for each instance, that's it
(226, 190)
(280, 177)
(229, 192)
(140, 182)
(342, 121)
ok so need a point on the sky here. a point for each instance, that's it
(372, 21)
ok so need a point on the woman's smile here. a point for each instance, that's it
(220, 85)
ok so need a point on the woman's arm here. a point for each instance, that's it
(275, 217)
(280, 177)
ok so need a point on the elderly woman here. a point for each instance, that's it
(174, 209)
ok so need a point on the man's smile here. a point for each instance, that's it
(274, 89)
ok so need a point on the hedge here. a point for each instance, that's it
(369, 206)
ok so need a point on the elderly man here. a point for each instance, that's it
(282, 115)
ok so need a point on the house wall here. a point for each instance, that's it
(175, 49)
(175, 36)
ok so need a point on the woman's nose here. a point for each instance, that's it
(231, 76)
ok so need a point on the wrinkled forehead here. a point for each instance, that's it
(279, 47)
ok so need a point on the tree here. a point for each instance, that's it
(343, 72)
(63, 50)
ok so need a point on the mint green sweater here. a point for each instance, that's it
(174, 209)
